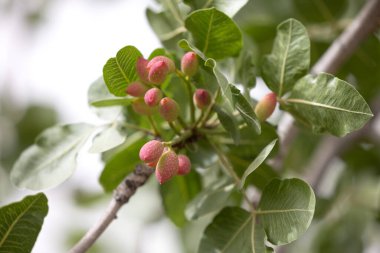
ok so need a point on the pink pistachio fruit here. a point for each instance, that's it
(168, 109)
(266, 106)
(142, 70)
(167, 166)
(169, 62)
(189, 64)
(202, 98)
(151, 152)
(153, 96)
(158, 72)
(136, 89)
(184, 165)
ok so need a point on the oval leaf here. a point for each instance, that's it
(228, 122)
(329, 104)
(52, 159)
(286, 209)
(210, 199)
(232, 231)
(121, 70)
(107, 139)
(214, 33)
(99, 96)
(289, 59)
(245, 109)
(21, 223)
(257, 162)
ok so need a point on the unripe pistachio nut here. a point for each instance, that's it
(266, 106)
(169, 62)
(167, 166)
(202, 98)
(184, 165)
(142, 69)
(136, 89)
(189, 64)
(153, 96)
(168, 109)
(158, 72)
(151, 152)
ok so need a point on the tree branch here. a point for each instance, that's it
(366, 22)
(122, 194)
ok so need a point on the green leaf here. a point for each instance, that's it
(231, 231)
(121, 70)
(177, 193)
(321, 10)
(228, 122)
(257, 162)
(289, 59)
(245, 109)
(286, 209)
(99, 96)
(228, 7)
(21, 223)
(329, 104)
(107, 139)
(211, 199)
(214, 33)
(52, 159)
(122, 162)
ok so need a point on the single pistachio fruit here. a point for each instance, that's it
(167, 166)
(169, 62)
(158, 72)
(266, 106)
(189, 64)
(202, 98)
(136, 89)
(151, 152)
(168, 109)
(153, 96)
(140, 107)
(142, 69)
(184, 165)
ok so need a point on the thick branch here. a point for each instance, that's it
(367, 21)
(122, 194)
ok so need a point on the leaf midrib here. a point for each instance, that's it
(282, 73)
(259, 212)
(16, 220)
(236, 234)
(208, 31)
(312, 103)
(122, 71)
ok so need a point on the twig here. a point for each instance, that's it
(367, 21)
(122, 194)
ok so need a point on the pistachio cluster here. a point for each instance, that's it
(150, 99)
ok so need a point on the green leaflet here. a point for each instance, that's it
(214, 33)
(328, 104)
(120, 71)
(21, 223)
(52, 159)
(289, 59)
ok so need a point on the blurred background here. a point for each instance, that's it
(52, 50)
